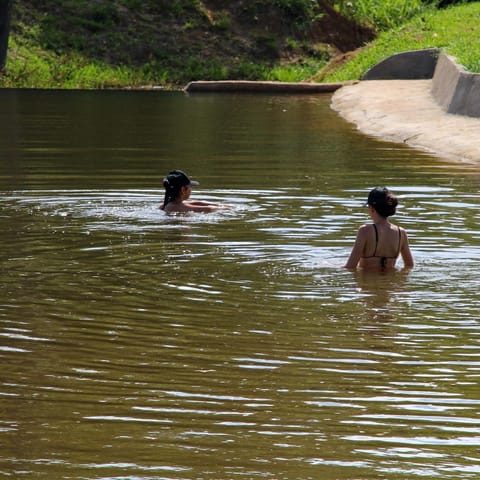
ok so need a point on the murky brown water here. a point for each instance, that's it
(139, 346)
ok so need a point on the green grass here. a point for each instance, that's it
(31, 67)
(43, 55)
(455, 30)
(381, 14)
(103, 44)
(292, 73)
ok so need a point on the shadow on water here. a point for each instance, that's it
(140, 345)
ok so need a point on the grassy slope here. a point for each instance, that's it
(117, 43)
(131, 43)
(456, 30)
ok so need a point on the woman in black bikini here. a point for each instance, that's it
(377, 246)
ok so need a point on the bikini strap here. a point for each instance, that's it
(399, 240)
(376, 240)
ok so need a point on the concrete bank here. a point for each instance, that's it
(262, 87)
(419, 112)
(405, 111)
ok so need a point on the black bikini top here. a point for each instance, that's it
(383, 259)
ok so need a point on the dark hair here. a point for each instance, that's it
(171, 192)
(383, 201)
(173, 183)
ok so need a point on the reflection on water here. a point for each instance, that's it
(228, 345)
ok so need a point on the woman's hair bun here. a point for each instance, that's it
(383, 201)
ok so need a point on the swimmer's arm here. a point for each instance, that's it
(211, 206)
(405, 251)
(203, 207)
(199, 202)
(358, 248)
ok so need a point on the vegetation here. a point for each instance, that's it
(382, 14)
(112, 43)
(137, 43)
(455, 30)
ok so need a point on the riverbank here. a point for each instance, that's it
(405, 111)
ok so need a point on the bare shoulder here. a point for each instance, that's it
(365, 230)
(177, 207)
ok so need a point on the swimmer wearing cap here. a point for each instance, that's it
(178, 188)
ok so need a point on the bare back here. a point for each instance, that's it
(382, 246)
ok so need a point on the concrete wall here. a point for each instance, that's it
(456, 90)
(250, 86)
(412, 65)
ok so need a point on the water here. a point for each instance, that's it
(231, 345)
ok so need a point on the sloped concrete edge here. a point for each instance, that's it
(440, 115)
(405, 111)
(262, 87)
(454, 89)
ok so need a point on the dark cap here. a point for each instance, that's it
(177, 178)
(377, 196)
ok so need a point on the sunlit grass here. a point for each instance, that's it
(292, 73)
(455, 30)
(381, 14)
(32, 67)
